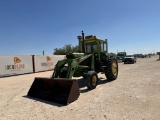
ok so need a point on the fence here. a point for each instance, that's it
(22, 64)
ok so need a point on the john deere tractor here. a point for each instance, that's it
(92, 58)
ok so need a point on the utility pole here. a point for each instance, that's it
(43, 52)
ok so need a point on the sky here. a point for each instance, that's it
(29, 27)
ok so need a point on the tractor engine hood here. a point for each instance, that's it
(74, 55)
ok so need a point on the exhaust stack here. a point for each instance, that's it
(83, 47)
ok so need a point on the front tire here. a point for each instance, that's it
(91, 80)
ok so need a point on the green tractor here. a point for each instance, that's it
(92, 58)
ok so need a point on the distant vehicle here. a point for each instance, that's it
(140, 55)
(130, 59)
(121, 55)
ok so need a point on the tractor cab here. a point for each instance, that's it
(91, 44)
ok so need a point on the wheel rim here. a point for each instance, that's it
(114, 68)
(94, 80)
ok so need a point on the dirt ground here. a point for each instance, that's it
(135, 95)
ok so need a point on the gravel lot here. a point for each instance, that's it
(135, 95)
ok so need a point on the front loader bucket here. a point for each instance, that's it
(59, 90)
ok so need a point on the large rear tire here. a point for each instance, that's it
(111, 70)
(91, 80)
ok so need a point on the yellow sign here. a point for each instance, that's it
(48, 58)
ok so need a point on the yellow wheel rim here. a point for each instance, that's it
(114, 67)
(94, 80)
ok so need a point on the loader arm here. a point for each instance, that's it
(71, 65)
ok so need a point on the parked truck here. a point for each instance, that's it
(120, 56)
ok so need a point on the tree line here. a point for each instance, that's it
(66, 49)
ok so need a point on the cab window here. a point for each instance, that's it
(102, 47)
(105, 47)
(91, 47)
